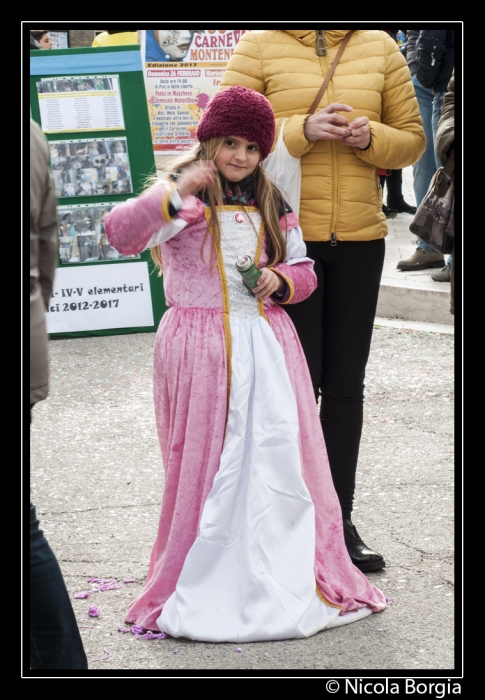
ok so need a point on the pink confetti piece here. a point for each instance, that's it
(389, 599)
(101, 658)
(176, 651)
(95, 580)
(124, 630)
(239, 650)
(152, 635)
(128, 580)
(83, 594)
(108, 586)
(136, 629)
(93, 611)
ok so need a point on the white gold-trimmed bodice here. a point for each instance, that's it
(239, 239)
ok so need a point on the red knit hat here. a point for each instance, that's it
(239, 111)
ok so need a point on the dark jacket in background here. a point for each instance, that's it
(445, 135)
(445, 139)
(435, 55)
(411, 58)
(43, 258)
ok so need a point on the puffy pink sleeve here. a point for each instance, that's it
(131, 225)
(300, 279)
(297, 269)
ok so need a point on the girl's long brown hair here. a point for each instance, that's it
(268, 198)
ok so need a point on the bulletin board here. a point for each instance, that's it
(91, 104)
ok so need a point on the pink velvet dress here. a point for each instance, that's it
(250, 544)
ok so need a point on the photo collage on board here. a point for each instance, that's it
(82, 237)
(90, 167)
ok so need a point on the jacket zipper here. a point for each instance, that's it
(321, 45)
(321, 50)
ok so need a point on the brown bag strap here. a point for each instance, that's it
(444, 175)
(328, 77)
(449, 166)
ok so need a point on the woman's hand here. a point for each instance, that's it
(268, 284)
(326, 125)
(195, 176)
(360, 133)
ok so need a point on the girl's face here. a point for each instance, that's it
(237, 158)
(45, 41)
(175, 42)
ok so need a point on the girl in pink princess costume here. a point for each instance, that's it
(250, 545)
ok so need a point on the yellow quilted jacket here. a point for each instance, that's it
(341, 197)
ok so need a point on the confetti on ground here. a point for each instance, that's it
(93, 611)
(176, 651)
(152, 635)
(102, 658)
(108, 586)
(239, 650)
(104, 584)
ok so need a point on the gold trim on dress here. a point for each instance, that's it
(165, 204)
(226, 308)
(257, 256)
(324, 600)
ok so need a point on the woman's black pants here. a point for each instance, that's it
(335, 327)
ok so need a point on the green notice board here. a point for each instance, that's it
(91, 104)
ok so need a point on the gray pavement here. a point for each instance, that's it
(97, 479)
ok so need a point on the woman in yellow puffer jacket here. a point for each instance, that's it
(367, 119)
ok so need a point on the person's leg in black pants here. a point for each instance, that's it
(55, 641)
(395, 197)
(335, 328)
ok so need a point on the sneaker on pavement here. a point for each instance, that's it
(443, 275)
(421, 259)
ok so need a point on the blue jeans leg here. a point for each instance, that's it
(425, 167)
(430, 109)
(55, 641)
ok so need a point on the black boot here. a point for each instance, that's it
(389, 213)
(395, 199)
(362, 557)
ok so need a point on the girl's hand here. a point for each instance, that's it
(195, 176)
(268, 284)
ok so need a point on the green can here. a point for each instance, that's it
(248, 270)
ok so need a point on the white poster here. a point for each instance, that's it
(80, 103)
(59, 40)
(99, 297)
